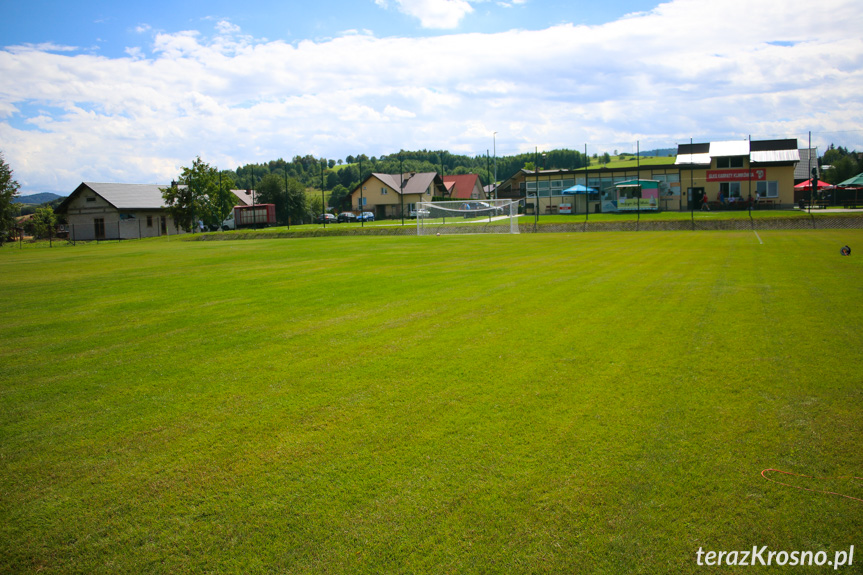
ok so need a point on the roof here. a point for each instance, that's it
(123, 196)
(462, 185)
(414, 183)
(758, 151)
(854, 181)
(243, 199)
(729, 148)
(693, 154)
(801, 172)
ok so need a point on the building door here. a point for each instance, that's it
(99, 228)
(694, 196)
(164, 226)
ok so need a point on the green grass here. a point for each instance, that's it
(542, 403)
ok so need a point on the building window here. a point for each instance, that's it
(767, 189)
(730, 162)
(383, 191)
(149, 221)
(99, 228)
(730, 189)
(91, 199)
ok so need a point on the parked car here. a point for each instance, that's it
(328, 218)
(366, 217)
(347, 217)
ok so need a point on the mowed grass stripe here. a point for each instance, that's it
(560, 403)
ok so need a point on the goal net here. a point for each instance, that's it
(467, 217)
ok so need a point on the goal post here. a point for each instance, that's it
(467, 217)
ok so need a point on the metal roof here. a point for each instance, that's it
(729, 148)
(698, 159)
(801, 171)
(775, 156)
(129, 196)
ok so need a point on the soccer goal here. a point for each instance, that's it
(467, 217)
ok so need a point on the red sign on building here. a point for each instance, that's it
(736, 175)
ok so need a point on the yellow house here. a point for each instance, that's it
(396, 195)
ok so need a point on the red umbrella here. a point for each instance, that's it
(808, 183)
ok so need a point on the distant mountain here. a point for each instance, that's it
(37, 199)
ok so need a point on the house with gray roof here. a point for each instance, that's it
(98, 211)
(394, 195)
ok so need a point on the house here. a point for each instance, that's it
(396, 195)
(464, 187)
(243, 197)
(98, 211)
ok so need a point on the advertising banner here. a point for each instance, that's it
(736, 175)
(634, 204)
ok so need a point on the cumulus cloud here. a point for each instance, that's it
(433, 13)
(659, 77)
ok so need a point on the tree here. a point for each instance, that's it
(314, 207)
(8, 192)
(44, 222)
(842, 169)
(290, 201)
(295, 198)
(224, 201)
(339, 198)
(190, 199)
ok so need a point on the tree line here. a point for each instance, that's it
(842, 164)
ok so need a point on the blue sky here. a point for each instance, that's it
(106, 91)
(110, 27)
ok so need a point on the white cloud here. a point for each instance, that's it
(433, 13)
(661, 76)
(226, 27)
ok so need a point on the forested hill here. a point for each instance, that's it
(307, 169)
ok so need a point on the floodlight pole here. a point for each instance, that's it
(811, 179)
(691, 187)
(494, 144)
(586, 188)
(287, 203)
(638, 179)
(362, 225)
(402, 187)
(750, 176)
(536, 189)
(323, 201)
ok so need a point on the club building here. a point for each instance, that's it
(728, 173)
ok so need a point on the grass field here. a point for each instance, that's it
(541, 403)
